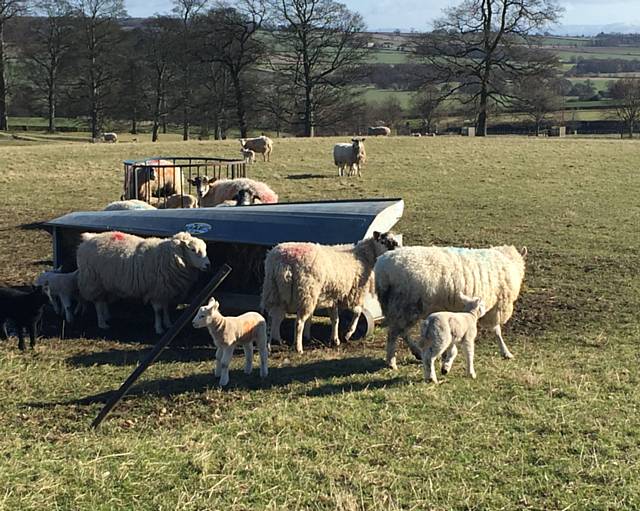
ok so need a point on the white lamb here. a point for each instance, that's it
(115, 265)
(228, 332)
(443, 331)
(299, 277)
(413, 282)
(248, 155)
(127, 205)
(351, 155)
(62, 290)
(259, 145)
(212, 192)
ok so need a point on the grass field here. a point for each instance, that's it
(555, 428)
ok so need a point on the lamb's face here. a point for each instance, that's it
(202, 185)
(205, 313)
(244, 197)
(384, 242)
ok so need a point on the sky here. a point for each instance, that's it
(418, 14)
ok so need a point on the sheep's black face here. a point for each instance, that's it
(244, 197)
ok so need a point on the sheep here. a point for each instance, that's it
(262, 145)
(248, 155)
(212, 192)
(62, 290)
(177, 201)
(24, 308)
(127, 205)
(228, 332)
(299, 277)
(374, 131)
(244, 197)
(153, 177)
(442, 331)
(110, 137)
(352, 155)
(160, 271)
(413, 282)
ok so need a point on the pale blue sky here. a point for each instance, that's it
(419, 13)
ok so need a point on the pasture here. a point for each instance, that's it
(333, 429)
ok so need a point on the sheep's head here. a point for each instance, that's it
(190, 251)
(205, 313)
(202, 185)
(385, 241)
(244, 197)
(473, 304)
(243, 141)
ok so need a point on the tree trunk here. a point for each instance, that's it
(51, 110)
(240, 110)
(134, 121)
(630, 129)
(185, 122)
(309, 128)
(156, 116)
(3, 84)
(481, 130)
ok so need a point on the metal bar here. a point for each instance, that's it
(186, 316)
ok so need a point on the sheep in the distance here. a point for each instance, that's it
(228, 332)
(376, 131)
(351, 155)
(110, 137)
(413, 282)
(114, 265)
(212, 192)
(443, 331)
(24, 309)
(260, 145)
(299, 277)
(63, 293)
(248, 155)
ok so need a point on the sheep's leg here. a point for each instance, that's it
(67, 306)
(166, 317)
(4, 335)
(227, 353)
(434, 351)
(503, 346)
(218, 367)
(413, 347)
(102, 311)
(56, 306)
(354, 323)
(392, 341)
(276, 316)
(301, 317)
(248, 357)
(21, 345)
(264, 356)
(32, 329)
(157, 318)
(469, 348)
(306, 334)
(335, 321)
(449, 357)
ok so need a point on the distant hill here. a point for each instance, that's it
(591, 30)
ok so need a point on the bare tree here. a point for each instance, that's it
(426, 104)
(480, 46)
(627, 93)
(48, 46)
(321, 44)
(538, 98)
(8, 9)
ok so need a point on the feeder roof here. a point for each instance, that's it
(326, 222)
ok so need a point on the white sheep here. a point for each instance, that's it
(110, 137)
(248, 155)
(62, 290)
(114, 265)
(262, 145)
(413, 282)
(443, 331)
(375, 131)
(351, 155)
(228, 332)
(127, 205)
(299, 277)
(212, 192)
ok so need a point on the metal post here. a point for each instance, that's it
(186, 316)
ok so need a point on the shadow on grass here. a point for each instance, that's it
(121, 358)
(297, 177)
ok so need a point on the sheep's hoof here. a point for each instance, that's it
(444, 370)
(508, 355)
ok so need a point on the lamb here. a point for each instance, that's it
(375, 131)
(114, 265)
(153, 177)
(212, 192)
(24, 308)
(127, 205)
(413, 282)
(248, 155)
(228, 332)
(177, 201)
(299, 277)
(442, 331)
(62, 290)
(262, 145)
(110, 137)
(352, 155)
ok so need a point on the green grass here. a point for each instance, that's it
(555, 428)
(372, 95)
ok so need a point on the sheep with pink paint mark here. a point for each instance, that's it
(300, 277)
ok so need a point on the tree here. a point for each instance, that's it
(626, 92)
(48, 47)
(483, 45)
(388, 112)
(538, 98)
(8, 10)
(321, 46)
(426, 105)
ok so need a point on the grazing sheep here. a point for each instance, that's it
(416, 134)
(442, 331)
(62, 290)
(110, 137)
(262, 145)
(375, 131)
(24, 308)
(127, 205)
(115, 265)
(248, 155)
(177, 201)
(352, 155)
(154, 177)
(299, 277)
(228, 332)
(212, 192)
(413, 282)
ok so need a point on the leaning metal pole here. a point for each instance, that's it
(186, 316)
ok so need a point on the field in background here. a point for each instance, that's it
(556, 428)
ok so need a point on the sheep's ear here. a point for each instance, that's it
(376, 235)
(465, 299)
(362, 140)
(179, 261)
(212, 180)
(524, 252)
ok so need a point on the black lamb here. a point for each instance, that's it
(24, 308)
